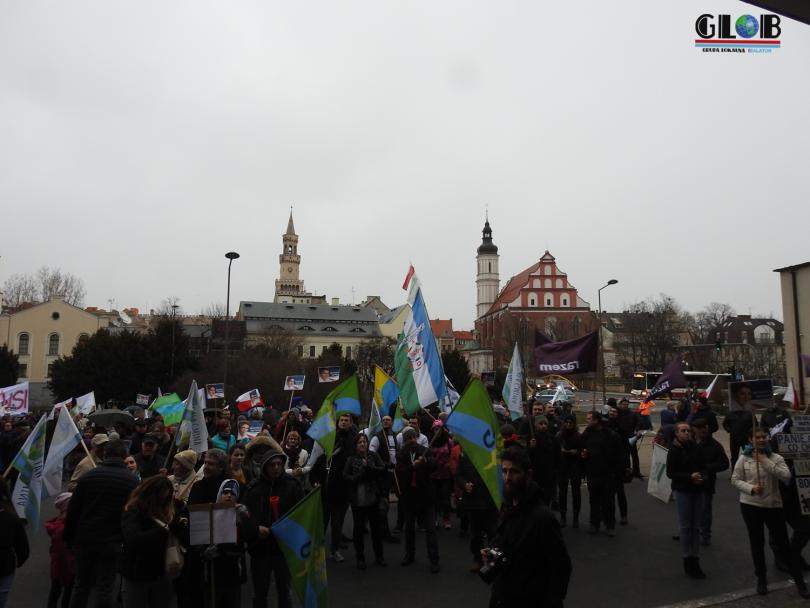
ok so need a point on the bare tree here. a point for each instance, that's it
(42, 285)
(214, 310)
(166, 307)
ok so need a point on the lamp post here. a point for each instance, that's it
(231, 255)
(601, 338)
(174, 313)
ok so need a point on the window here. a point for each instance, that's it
(489, 266)
(564, 301)
(53, 346)
(83, 337)
(312, 351)
(348, 352)
(330, 328)
(24, 344)
(305, 328)
(532, 300)
(536, 283)
(560, 284)
(549, 300)
(324, 349)
(744, 337)
(50, 369)
(300, 350)
(548, 283)
(23, 370)
(358, 330)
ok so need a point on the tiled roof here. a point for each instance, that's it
(463, 335)
(441, 327)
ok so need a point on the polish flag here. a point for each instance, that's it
(792, 396)
(249, 400)
(408, 277)
(708, 392)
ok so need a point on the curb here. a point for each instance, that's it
(725, 598)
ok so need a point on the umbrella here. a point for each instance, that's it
(133, 409)
(109, 418)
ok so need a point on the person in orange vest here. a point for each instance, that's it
(644, 411)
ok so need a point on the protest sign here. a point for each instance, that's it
(294, 383)
(142, 399)
(211, 524)
(328, 374)
(658, 484)
(14, 400)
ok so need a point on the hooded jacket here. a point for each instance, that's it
(257, 500)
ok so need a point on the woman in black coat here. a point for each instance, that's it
(148, 520)
(13, 543)
(363, 471)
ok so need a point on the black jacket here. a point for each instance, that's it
(257, 501)
(605, 455)
(545, 457)
(364, 476)
(13, 542)
(738, 424)
(144, 553)
(627, 423)
(94, 513)
(149, 467)
(479, 499)
(570, 464)
(538, 566)
(714, 459)
(683, 459)
(414, 481)
(708, 415)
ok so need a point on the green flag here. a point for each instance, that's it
(474, 426)
(301, 538)
(171, 407)
(346, 397)
(323, 428)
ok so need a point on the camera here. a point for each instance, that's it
(493, 561)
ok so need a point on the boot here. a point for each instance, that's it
(562, 520)
(762, 585)
(801, 587)
(698, 571)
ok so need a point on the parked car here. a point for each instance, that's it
(547, 395)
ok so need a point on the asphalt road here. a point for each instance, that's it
(640, 567)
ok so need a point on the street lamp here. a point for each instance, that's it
(601, 338)
(174, 313)
(231, 255)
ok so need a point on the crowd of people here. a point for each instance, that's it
(130, 496)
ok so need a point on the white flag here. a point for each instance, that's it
(792, 396)
(65, 437)
(192, 434)
(513, 386)
(57, 407)
(559, 395)
(86, 403)
(452, 396)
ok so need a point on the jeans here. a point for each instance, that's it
(5, 588)
(575, 479)
(756, 519)
(96, 569)
(361, 515)
(262, 567)
(425, 516)
(600, 496)
(147, 594)
(706, 517)
(690, 512)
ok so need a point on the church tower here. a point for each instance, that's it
(289, 287)
(487, 279)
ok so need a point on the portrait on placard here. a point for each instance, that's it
(294, 383)
(215, 391)
(329, 374)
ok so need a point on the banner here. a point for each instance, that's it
(86, 403)
(29, 462)
(14, 400)
(576, 356)
(192, 433)
(513, 386)
(672, 377)
(65, 437)
(658, 484)
(141, 399)
(750, 395)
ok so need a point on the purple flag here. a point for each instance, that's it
(672, 377)
(806, 364)
(540, 338)
(575, 356)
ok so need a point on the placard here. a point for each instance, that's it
(658, 484)
(202, 518)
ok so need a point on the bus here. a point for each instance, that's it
(644, 381)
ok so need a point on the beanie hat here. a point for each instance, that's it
(187, 458)
(230, 485)
(611, 402)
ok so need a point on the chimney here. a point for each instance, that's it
(335, 301)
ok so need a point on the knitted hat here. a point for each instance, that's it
(230, 485)
(187, 458)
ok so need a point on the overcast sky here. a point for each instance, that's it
(141, 141)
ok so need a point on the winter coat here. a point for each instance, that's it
(143, 557)
(706, 414)
(63, 562)
(738, 424)
(414, 480)
(604, 457)
(13, 543)
(479, 499)
(149, 466)
(714, 459)
(441, 454)
(570, 464)
(771, 471)
(88, 463)
(94, 512)
(683, 459)
(545, 457)
(538, 566)
(363, 475)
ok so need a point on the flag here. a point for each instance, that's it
(323, 428)
(346, 397)
(300, 536)
(513, 386)
(559, 395)
(540, 338)
(792, 396)
(386, 391)
(192, 434)
(14, 400)
(249, 400)
(569, 357)
(408, 277)
(709, 391)
(29, 461)
(474, 426)
(57, 407)
(374, 420)
(672, 377)
(399, 422)
(65, 437)
(779, 428)
(452, 396)
(169, 406)
(417, 361)
(86, 403)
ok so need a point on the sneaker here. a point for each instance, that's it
(706, 542)
(337, 556)
(392, 539)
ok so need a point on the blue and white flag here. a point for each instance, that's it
(65, 437)
(452, 396)
(29, 461)
(513, 386)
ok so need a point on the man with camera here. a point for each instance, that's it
(528, 563)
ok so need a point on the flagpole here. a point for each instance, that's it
(756, 451)
(287, 419)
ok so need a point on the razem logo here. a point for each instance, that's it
(745, 34)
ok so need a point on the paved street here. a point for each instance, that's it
(640, 567)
